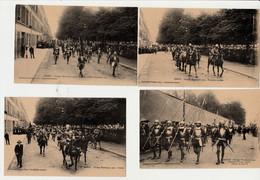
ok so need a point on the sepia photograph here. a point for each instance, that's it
(65, 136)
(183, 47)
(75, 45)
(199, 129)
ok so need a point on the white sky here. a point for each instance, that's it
(54, 13)
(30, 106)
(153, 17)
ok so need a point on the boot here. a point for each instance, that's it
(218, 158)
(169, 156)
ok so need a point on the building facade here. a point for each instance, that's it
(144, 34)
(15, 115)
(31, 26)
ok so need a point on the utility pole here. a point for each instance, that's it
(183, 115)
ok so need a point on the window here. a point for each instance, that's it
(18, 13)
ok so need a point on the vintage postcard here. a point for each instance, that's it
(199, 129)
(198, 47)
(65, 137)
(75, 45)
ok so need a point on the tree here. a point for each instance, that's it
(80, 111)
(114, 24)
(227, 26)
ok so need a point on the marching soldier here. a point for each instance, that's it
(198, 134)
(169, 133)
(231, 132)
(156, 131)
(221, 137)
(114, 62)
(182, 136)
(144, 132)
(99, 54)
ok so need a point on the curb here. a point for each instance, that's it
(113, 152)
(44, 60)
(240, 73)
(128, 67)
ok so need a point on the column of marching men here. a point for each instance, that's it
(72, 141)
(168, 133)
(85, 55)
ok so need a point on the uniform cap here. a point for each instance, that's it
(197, 122)
(156, 121)
(19, 141)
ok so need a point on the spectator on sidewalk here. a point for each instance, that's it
(19, 153)
(26, 51)
(7, 141)
(32, 52)
(22, 51)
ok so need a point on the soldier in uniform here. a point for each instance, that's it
(169, 134)
(198, 134)
(231, 132)
(114, 59)
(156, 139)
(182, 136)
(144, 132)
(99, 54)
(221, 137)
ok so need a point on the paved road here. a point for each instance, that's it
(245, 155)
(94, 74)
(160, 70)
(99, 163)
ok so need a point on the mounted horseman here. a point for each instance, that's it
(97, 135)
(42, 141)
(191, 60)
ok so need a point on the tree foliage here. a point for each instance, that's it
(232, 110)
(227, 26)
(61, 111)
(113, 24)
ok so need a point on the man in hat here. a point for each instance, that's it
(197, 135)
(156, 139)
(169, 134)
(220, 138)
(19, 153)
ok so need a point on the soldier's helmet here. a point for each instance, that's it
(182, 124)
(216, 45)
(169, 122)
(197, 123)
(190, 44)
(156, 121)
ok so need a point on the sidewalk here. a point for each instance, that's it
(118, 149)
(9, 149)
(250, 71)
(25, 68)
